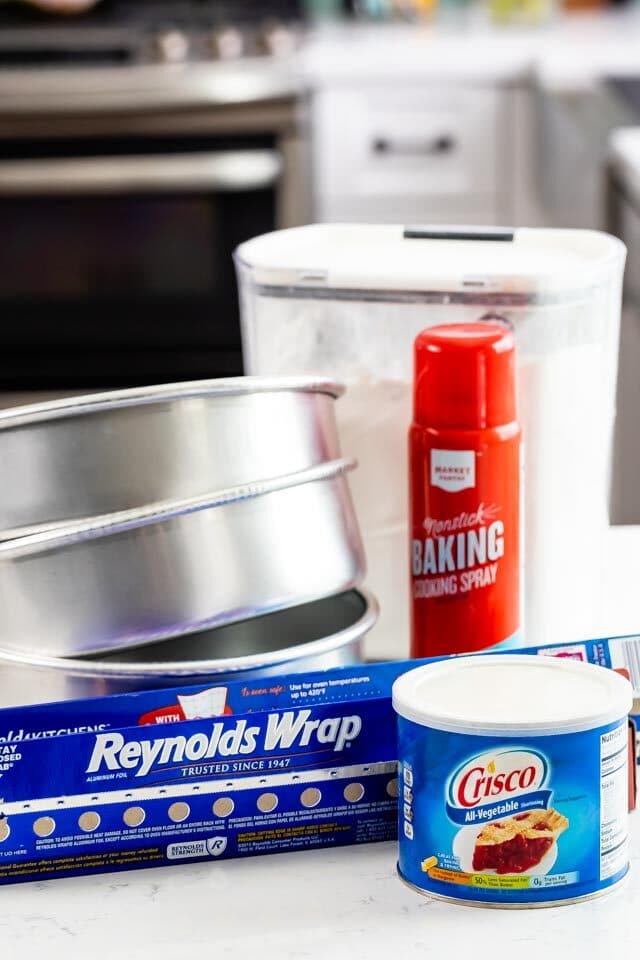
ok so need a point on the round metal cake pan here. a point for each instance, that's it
(90, 455)
(314, 636)
(135, 577)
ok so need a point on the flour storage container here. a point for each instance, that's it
(347, 301)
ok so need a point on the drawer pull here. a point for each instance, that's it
(412, 147)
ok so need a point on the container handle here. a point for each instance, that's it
(503, 234)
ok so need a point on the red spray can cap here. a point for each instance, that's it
(465, 376)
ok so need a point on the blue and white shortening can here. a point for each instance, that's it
(513, 779)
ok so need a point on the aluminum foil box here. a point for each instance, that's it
(205, 773)
(202, 773)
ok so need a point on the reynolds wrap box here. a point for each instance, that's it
(211, 772)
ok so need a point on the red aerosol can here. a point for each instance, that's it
(465, 476)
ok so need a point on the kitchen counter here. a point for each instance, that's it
(569, 52)
(345, 904)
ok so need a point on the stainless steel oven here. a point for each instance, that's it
(123, 193)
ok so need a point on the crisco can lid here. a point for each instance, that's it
(512, 694)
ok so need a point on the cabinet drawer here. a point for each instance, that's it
(399, 142)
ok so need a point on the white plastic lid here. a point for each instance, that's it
(512, 694)
(380, 257)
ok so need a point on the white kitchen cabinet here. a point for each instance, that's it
(429, 152)
(624, 214)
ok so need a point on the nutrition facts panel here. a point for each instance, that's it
(613, 801)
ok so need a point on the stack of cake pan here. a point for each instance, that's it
(187, 531)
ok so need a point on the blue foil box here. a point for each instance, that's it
(210, 772)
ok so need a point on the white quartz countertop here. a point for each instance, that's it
(343, 904)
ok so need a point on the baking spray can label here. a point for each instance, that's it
(465, 549)
(465, 489)
(500, 820)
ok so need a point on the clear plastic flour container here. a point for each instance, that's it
(347, 301)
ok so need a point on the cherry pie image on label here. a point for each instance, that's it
(513, 779)
(519, 843)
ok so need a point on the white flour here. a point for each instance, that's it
(373, 420)
(565, 428)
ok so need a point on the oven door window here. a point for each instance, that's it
(124, 281)
(117, 249)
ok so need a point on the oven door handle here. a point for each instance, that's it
(231, 171)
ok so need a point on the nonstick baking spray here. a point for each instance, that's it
(465, 478)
